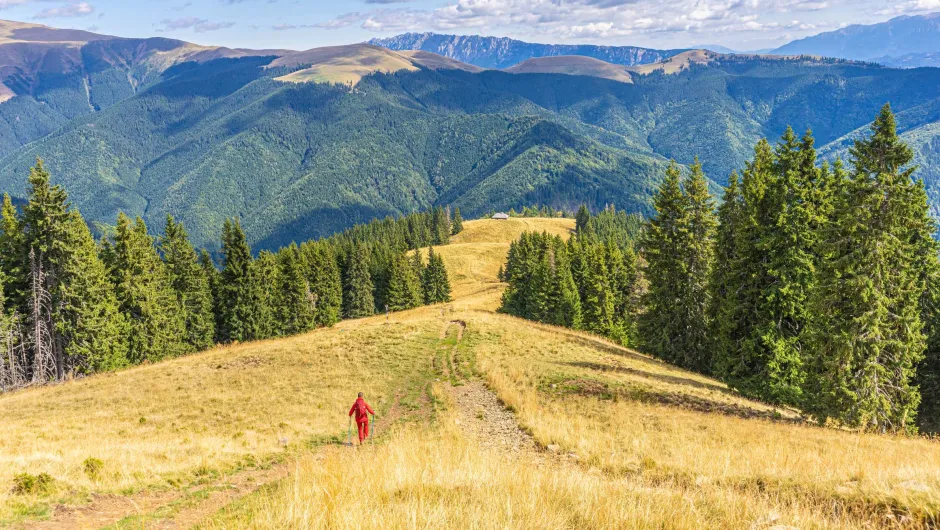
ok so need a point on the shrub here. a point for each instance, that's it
(26, 484)
(93, 467)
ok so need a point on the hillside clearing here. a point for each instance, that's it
(646, 445)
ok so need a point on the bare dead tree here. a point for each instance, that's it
(40, 335)
(12, 354)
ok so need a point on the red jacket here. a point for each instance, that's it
(361, 416)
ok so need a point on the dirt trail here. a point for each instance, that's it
(162, 510)
(484, 417)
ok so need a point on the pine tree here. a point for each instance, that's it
(325, 281)
(699, 232)
(867, 335)
(442, 227)
(266, 298)
(297, 306)
(597, 298)
(403, 285)
(563, 296)
(12, 253)
(146, 297)
(664, 325)
(582, 220)
(94, 331)
(44, 220)
(212, 276)
(436, 283)
(727, 280)
(190, 283)
(457, 226)
(358, 300)
(237, 290)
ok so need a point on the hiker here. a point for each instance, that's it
(362, 410)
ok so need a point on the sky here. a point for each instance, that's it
(294, 24)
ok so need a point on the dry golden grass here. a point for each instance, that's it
(656, 446)
(211, 412)
(341, 64)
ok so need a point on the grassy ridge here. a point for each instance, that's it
(655, 446)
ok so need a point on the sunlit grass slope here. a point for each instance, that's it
(652, 446)
(170, 423)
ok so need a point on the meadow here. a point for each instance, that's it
(620, 440)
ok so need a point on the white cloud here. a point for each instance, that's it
(612, 21)
(199, 25)
(69, 10)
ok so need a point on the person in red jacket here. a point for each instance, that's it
(362, 411)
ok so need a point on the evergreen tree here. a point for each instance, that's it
(146, 297)
(44, 223)
(582, 220)
(213, 278)
(442, 227)
(12, 253)
(237, 289)
(868, 335)
(325, 281)
(190, 282)
(597, 298)
(435, 281)
(699, 232)
(88, 318)
(267, 297)
(296, 306)
(358, 300)
(564, 300)
(403, 286)
(457, 226)
(727, 279)
(664, 325)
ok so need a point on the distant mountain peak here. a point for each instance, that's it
(504, 52)
(906, 35)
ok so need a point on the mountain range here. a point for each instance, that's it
(302, 144)
(905, 41)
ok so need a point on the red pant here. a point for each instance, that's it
(363, 430)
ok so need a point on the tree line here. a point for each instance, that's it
(810, 285)
(72, 306)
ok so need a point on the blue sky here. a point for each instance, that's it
(295, 24)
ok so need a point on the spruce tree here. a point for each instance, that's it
(597, 298)
(297, 305)
(563, 296)
(442, 227)
(664, 326)
(457, 225)
(88, 318)
(436, 283)
(727, 281)
(146, 297)
(44, 223)
(237, 289)
(267, 298)
(190, 282)
(325, 281)
(12, 253)
(582, 220)
(699, 233)
(358, 300)
(403, 286)
(867, 334)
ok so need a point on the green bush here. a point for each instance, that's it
(26, 484)
(93, 468)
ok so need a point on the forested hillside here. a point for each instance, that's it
(214, 139)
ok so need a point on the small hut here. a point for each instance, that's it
(501, 216)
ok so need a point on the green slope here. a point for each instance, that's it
(220, 138)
